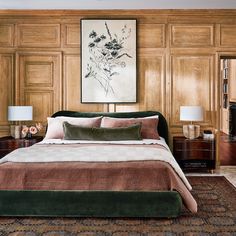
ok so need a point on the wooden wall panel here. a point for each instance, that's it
(6, 35)
(72, 35)
(192, 35)
(189, 75)
(228, 35)
(151, 35)
(39, 73)
(39, 82)
(38, 35)
(72, 86)
(6, 90)
(36, 99)
(192, 84)
(151, 83)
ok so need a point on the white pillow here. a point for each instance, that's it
(55, 125)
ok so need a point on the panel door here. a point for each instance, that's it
(39, 83)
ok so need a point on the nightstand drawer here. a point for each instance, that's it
(197, 164)
(193, 145)
(193, 154)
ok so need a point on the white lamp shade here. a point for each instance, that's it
(18, 113)
(191, 113)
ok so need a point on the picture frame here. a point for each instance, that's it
(108, 61)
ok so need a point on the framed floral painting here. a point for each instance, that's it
(108, 61)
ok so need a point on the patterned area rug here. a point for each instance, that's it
(216, 199)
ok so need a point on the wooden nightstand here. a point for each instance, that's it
(8, 144)
(194, 154)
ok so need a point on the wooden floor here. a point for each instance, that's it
(227, 150)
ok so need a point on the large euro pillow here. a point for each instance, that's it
(55, 125)
(148, 125)
(75, 132)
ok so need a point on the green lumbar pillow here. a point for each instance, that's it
(74, 132)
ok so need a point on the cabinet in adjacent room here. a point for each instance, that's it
(228, 90)
(225, 68)
(232, 82)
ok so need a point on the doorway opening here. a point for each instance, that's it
(227, 141)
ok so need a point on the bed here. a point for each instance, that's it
(95, 179)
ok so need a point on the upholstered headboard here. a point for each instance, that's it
(162, 125)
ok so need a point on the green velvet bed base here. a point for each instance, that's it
(90, 203)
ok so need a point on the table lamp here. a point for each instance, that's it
(19, 113)
(191, 113)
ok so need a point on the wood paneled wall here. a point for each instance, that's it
(178, 53)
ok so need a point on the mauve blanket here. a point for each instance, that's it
(148, 175)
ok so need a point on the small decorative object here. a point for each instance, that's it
(28, 131)
(208, 135)
(18, 114)
(108, 49)
(191, 113)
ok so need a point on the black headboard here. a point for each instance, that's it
(162, 125)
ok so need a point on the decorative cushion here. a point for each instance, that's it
(148, 125)
(74, 132)
(55, 128)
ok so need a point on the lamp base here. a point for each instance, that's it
(15, 131)
(12, 131)
(191, 131)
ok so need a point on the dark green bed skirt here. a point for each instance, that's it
(90, 203)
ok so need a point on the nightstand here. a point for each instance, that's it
(194, 154)
(8, 144)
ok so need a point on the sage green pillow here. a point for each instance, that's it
(74, 132)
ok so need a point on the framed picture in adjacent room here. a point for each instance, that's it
(108, 61)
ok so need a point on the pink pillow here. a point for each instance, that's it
(55, 128)
(148, 128)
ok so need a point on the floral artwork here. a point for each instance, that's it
(108, 61)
